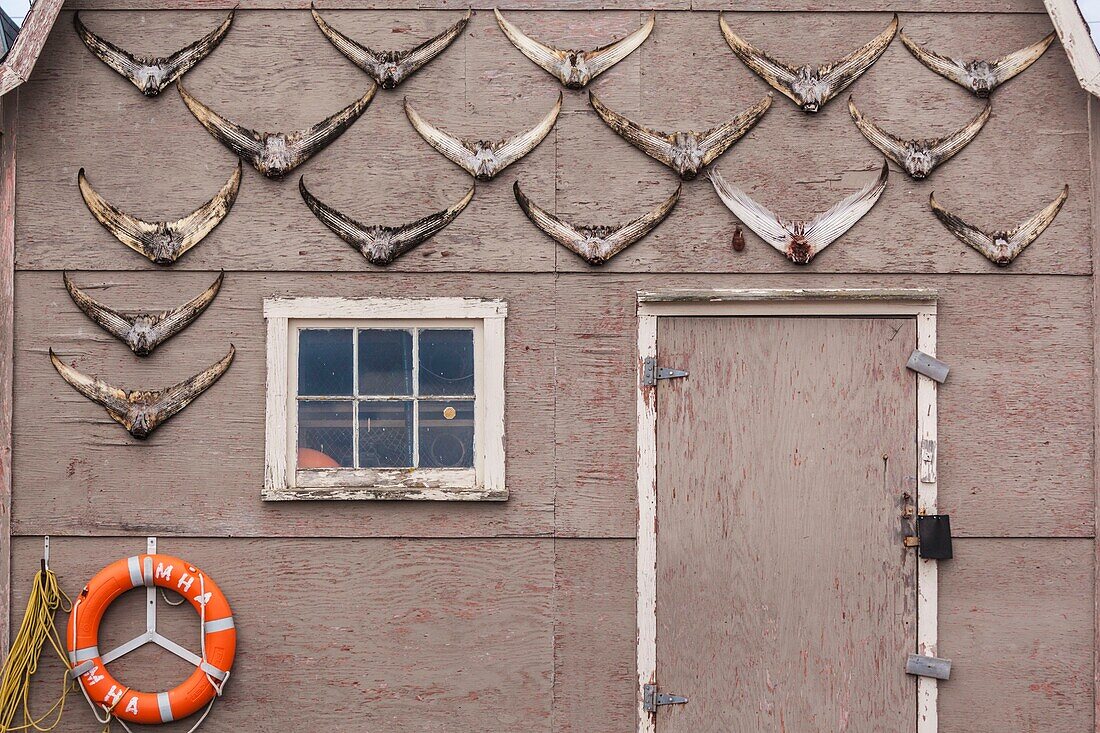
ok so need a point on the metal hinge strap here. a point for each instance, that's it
(652, 699)
(651, 372)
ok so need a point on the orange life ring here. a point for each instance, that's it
(219, 642)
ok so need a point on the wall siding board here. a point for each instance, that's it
(95, 469)
(1016, 621)
(379, 152)
(422, 620)
(798, 164)
(482, 87)
(594, 635)
(430, 636)
(1016, 454)
(1010, 485)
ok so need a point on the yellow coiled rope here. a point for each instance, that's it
(26, 648)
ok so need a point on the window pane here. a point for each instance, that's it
(325, 434)
(324, 361)
(446, 362)
(447, 434)
(385, 434)
(385, 362)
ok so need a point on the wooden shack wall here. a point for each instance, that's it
(520, 616)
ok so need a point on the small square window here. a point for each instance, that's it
(379, 398)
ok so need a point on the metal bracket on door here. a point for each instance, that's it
(920, 665)
(651, 372)
(652, 699)
(929, 366)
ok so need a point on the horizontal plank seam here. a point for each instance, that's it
(91, 6)
(390, 536)
(606, 273)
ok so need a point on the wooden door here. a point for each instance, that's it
(786, 600)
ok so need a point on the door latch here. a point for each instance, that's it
(652, 699)
(651, 372)
(933, 538)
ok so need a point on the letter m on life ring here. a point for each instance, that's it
(163, 571)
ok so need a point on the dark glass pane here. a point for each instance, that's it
(324, 361)
(385, 434)
(325, 434)
(447, 434)
(446, 362)
(385, 362)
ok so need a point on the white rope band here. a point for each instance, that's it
(82, 668)
(84, 655)
(165, 707)
(134, 566)
(221, 624)
(210, 669)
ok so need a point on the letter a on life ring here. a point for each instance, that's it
(220, 639)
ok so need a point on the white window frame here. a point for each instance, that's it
(854, 302)
(283, 480)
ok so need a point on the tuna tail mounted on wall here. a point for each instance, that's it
(381, 245)
(801, 241)
(389, 68)
(152, 74)
(575, 69)
(142, 332)
(163, 242)
(1001, 247)
(142, 411)
(274, 154)
(979, 76)
(481, 159)
(810, 87)
(595, 244)
(918, 158)
(687, 153)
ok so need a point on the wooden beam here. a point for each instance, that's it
(7, 289)
(1076, 39)
(1094, 150)
(19, 62)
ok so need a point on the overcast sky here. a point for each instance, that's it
(18, 8)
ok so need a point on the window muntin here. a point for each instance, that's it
(396, 397)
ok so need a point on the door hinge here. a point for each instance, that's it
(652, 699)
(651, 372)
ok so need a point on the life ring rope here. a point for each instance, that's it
(89, 667)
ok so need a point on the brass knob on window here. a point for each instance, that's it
(449, 413)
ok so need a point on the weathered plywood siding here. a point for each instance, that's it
(520, 615)
(684, 76)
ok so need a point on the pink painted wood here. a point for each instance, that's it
(7, 344)
(786, 599)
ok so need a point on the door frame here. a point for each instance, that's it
(918, 304)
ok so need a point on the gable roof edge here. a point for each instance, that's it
(18, 64)
(1076, 39)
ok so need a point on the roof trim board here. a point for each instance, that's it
(18, 64)
(1076, 38)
